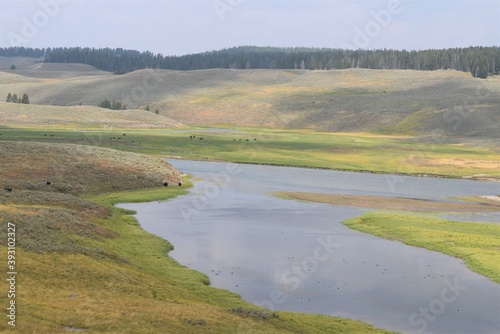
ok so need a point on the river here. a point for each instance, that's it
(297, 256)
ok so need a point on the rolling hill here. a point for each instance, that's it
(438, 103)
(32, 67)
(29, 115)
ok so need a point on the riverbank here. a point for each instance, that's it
(87, 266)
(475, 243)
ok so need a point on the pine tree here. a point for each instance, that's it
(482, 69)
(25, 99)
(105, 104)
(9, 97)
(147, 107)
(14, 98)
(116, 105)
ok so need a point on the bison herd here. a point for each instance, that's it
(193, 137)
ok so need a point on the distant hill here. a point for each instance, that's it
(18, 62)
(479, 61)
(448, 103)
(34, 67)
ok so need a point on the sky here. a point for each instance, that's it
(178, 27)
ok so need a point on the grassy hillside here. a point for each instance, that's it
(84, 265)
(441, 103)
(77, 169)
(82, 117)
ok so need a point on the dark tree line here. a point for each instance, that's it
(114, 105)
(24, 52)
(480, 61)
(15, 99)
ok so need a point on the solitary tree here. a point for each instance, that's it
(13, 67)
(147, 107)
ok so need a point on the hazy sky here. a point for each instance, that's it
(176, 27)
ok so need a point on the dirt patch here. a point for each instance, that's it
(392, 203)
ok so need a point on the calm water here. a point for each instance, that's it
(289, 255)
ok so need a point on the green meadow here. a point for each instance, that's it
(300, 148)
